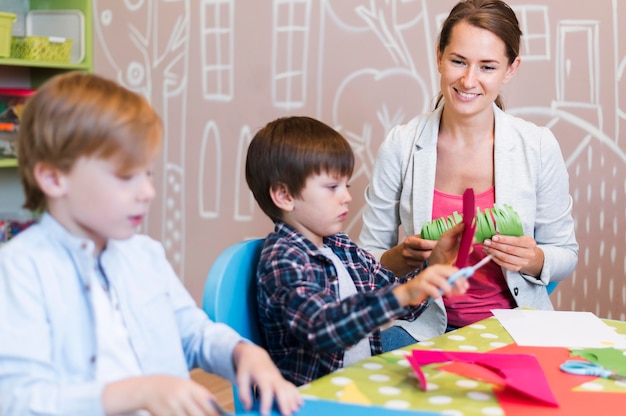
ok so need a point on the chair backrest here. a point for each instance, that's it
(551, 286)
(230, 294)
(230, 290)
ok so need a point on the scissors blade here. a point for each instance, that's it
(617, 377)
(481, 263)
(469, 271)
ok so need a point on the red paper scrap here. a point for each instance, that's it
(572, 403)
(467, 238)
(520, 373)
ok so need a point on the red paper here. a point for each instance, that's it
(469, 214)
(572, 403)
(519, 373)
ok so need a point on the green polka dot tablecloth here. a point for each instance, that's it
(388, 379)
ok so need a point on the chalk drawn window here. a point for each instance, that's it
(290, 44)
(217, 46)
(535, 27)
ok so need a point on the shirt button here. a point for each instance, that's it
(516, 291)
(92, 360)
(87, 288)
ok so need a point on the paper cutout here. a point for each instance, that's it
(610, 358)
(518, 372)
(352, 394)
(469, 214)
(473, 371)
(571, 402)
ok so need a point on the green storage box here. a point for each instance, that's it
(41, 48)
(6, 29)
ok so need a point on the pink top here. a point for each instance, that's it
(488, 289)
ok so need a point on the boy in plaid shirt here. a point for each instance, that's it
(322, 299)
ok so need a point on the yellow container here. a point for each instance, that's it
(6, 28)
(41, 48)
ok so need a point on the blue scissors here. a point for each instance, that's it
(585, 368)
(469, 271)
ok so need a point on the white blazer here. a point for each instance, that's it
(530, 176)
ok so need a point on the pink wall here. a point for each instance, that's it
(217, 70)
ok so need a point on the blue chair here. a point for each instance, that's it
(230, 293)
(551, 286)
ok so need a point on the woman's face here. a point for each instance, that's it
(473, 67)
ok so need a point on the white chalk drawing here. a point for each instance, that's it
(364, 66)
(535, 26)
(244, 200)
(154, 62)
(217, 49)
(209, 179)
(290, 51)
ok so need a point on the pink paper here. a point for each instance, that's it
(469, 218)
(518, 372)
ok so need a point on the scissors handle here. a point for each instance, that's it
(464, 272)
(584, 368)
(468, 272)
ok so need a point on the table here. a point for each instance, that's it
(388, 379)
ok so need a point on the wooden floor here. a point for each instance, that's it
(220, 388)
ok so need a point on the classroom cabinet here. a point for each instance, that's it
(23, 74)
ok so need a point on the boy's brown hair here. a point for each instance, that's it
(289, 150)
(83, 115)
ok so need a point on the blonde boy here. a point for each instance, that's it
(93, 319)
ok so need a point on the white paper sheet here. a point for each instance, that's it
(558, 329)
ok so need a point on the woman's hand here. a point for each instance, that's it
(408, 255)
(517, 254)
(447, 248)
(413, 251)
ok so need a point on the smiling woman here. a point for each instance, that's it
(468, 141)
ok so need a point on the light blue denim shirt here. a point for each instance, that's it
(48, 346)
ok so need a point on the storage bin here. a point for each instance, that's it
(6, 28)
(41, 48)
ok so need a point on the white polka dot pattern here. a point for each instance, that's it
(388, 380)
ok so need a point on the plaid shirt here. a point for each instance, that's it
(306, 326)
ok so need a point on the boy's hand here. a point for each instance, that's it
(159, 395)
(255, 368)
(431, 282)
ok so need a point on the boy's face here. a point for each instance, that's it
(321, 208)
(99, 203)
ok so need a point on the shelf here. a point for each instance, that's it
(43, 64)
(8, 162)
(30, 75)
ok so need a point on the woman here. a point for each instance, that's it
(467, 141)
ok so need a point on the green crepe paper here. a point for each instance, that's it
(488, 222)
(609, 358)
